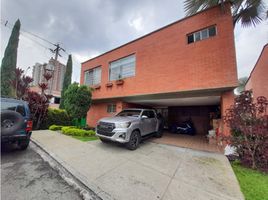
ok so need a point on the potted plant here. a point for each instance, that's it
(109, 84)
(97, 86)
(119, 81)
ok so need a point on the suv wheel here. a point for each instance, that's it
(134, 140)
(11, 121)
(24, 144)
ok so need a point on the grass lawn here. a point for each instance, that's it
(254, 184)
(86, 138)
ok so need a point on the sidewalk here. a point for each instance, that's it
(153, 171)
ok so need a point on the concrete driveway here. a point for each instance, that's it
(154, 171)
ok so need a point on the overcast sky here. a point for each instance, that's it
(87, 28)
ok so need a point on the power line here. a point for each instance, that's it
(56, 51)
(24, 33)
(25, 36)
(28, 32)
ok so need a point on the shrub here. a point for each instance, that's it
(55, 128)
(91, 133)
(56, 116)
(68, 130)
(248, 122)
(77, 100)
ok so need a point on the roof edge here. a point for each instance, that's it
(266, 45)
(181, 92)
(159, 29)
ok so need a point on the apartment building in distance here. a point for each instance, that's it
(55, 83)
(184, 70)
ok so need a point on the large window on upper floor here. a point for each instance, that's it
(122, 68)
(202, 34)
(93, 76)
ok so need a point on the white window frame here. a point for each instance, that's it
(111, 108)
(95, 81)
(200, 33)
(120, 66)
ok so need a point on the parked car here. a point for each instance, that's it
(16, 123)
(129, 126)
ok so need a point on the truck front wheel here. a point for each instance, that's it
(134, 140)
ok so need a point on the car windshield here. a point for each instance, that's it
(13, 106)
(129, 113)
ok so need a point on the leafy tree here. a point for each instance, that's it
(9, 61)
(67, 80)
(21, 84)
(77, 100)
(248, 12)
(39, 102)
(248, 121)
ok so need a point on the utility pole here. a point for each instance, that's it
(57, 51)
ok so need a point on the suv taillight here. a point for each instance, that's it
(29, 126)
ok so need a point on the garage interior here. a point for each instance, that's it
(201, 110)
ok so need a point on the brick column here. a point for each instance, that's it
(227, 99)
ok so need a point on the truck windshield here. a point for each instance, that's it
(129, 113)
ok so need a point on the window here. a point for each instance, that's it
(20, 109)
(122, 68)
(148, 113)
(93, 76)
(13, 106)
(127, 113)
(111, 108)
(202, 34)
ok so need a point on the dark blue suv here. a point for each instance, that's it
(16, 123)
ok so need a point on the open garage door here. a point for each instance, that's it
(201, 116)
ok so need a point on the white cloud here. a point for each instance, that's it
(137, 23)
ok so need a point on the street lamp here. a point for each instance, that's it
(50, 68)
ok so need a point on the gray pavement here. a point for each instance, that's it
(153, 171)
(24, 175)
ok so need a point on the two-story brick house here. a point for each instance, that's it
(258, 79)
(185, 69)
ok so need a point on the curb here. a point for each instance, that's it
(87, 190)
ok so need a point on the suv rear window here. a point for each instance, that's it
(13, 106)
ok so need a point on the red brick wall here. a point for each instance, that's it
(258, 80)
(166, 63)
(99, 110)
(227, 99)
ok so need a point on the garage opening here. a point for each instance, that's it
(202, 111)
(203, 119)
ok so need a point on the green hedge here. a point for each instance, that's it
(55, 128)
(71, 130)
(56, 116)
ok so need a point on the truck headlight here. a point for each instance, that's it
(123, 125)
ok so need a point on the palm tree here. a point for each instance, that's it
(248, 12)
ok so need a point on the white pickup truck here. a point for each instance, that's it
(129, 126)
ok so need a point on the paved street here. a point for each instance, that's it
(24, 175)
